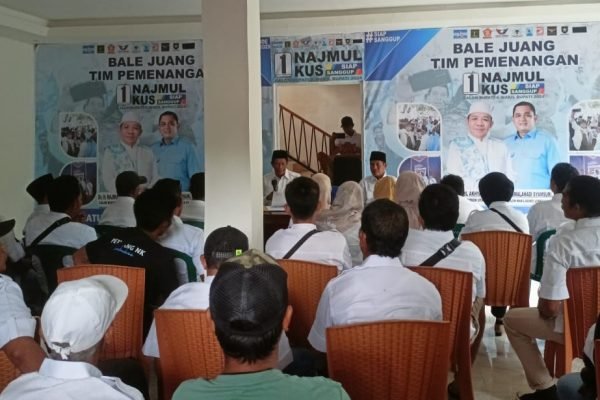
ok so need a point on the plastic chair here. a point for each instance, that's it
(8, 372)
(540, 249)
(186, 270)
(50, 258)
(580, 311)
(457, 229)
(188, 347)
(456, 289)
(102, 230)
(197, 224)
(507, 264)
(306, 282)
(391, 359)
(126, 338)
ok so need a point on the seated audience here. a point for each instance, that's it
(194, 210)
(280, 177)
(465, 206)
(324, 183)
(381, 288)
(409, 186)
(38, 189)
(344, 216)
(302, 240)
(120, 213)
(181, 237)
(385, 188)
(74, 322)
(579, 247)
(221, 244)
(139, 247)
(249, 307)
(377, 164)
(64, 198)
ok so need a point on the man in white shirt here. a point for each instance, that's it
(377, 164)
(74, 322)
(277, 180)
(120, 213)
(221, 244)
(194, 211)
(465, 206)
(351, 142)
(476, 154)
(381, 288)
(181, 237)
(579, 247)
(38, 189)
(326, 247)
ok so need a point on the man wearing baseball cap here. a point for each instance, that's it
(74, 322)
(38, 189)
(249, 308)
(476, 154)
(120, 213)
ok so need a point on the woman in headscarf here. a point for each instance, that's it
(324, 190)
(385, 188)
(344, 216)
(409, 186)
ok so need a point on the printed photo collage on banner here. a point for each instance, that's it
(470, 100)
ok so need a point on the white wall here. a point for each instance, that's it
(17, 129)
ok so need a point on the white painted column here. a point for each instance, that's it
(232, 116)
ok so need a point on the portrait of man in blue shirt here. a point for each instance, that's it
(175, 155)
(533, 152)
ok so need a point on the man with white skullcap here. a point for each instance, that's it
(476, 154)
(128, 155)
(74, 322)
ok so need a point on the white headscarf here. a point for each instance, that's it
(346, 210)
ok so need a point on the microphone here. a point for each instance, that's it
(274, 184)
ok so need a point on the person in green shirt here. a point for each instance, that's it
(249, 308)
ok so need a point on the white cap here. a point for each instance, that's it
(130, 116)
(78, 313)
(480, 107)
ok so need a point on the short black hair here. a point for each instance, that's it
(561, 174)
(302, 197)
(347, 121)
(385, 225)
(197, 186)
(584, 191)
(224, 243)
(455, 182)
(63, 192)
(171, 187)
(438, 206)
(249, 349)
(152, 208)
(495, 186)
(524, 103)
(170, 113)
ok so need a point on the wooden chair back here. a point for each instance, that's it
(306, 282)
(125, 339)
(188, 347)
(507, 266)
(456, 289)
(388, 360)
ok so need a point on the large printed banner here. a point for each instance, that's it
(441, 101)
(317, 58)
(110, 107)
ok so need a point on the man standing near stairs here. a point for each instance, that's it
(276, 181)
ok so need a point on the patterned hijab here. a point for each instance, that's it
(346, 210)
(384, 188)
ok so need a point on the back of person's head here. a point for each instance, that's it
(224, 243)
(197, 186)
(152, 208)
(78, 314)
(38, 188)
(171, 187)
(438, 206)
(324, 183)
(495, 186)
(584, 191)
(248, 303)
(385, 226)
(127, 183)
(455, 182)
(561, 174)
(302, 197)
(63, 193)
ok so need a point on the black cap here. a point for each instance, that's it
(127, 182)
(248, 296)
(347, 121)
(6, 226)
(224, 243)
(377, 156)
(38, 188)
(279, 154)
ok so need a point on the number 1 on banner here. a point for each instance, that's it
(471, 83)
(283, 64)
(123, 94)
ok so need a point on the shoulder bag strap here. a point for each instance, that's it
(442, 253)
(299, 243)
(504, 217)
(48, 231)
